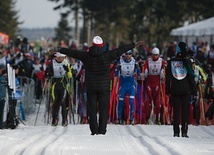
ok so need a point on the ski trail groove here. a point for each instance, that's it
(37, 148)
(210, 132)
(150, 142)
(20, 146)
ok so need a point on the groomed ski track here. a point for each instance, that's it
(119, 140)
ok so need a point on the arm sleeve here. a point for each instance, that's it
(116, 53)
(145, 70)
(72, 53)
(49, 71)
(168, 78)
(193, 85)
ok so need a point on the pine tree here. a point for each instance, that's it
(63, 31)
(151, 20)
(8, 18)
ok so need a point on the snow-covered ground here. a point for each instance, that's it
(43, 139)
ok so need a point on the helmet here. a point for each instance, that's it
(155, 50)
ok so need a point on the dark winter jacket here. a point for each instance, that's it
(186, 85)
(97, 62)
(26, 68)
(3, 84)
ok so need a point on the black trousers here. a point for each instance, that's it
(181, 104)
(60, 96)
(2, 104)
(98, 101)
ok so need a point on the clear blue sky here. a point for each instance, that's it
(37, 13)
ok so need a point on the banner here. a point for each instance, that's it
(4, 39)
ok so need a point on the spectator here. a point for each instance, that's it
(3, 60)
(3, 84)
(210, 56)
(26, 66)
(180, 84)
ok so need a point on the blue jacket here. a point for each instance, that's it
(127, 80)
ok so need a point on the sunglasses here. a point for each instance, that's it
(128, 53)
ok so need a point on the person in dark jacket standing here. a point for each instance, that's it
(3, 87)
(180, 85)
(97, 79)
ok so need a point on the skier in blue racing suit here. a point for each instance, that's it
(126, 70)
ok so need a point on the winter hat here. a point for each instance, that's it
(181, 47)
(155, 50)
(97, 41)
(129, 52)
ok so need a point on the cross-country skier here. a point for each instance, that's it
(154, 74)
(59, 70)
(126, 70)
(200, 77)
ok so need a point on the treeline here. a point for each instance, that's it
(117, 20)
(124, 20)
(9, 18)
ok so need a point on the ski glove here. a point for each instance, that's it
(119, 67)
(65, 68)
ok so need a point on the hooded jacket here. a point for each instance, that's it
(97, 62)
(186, 85)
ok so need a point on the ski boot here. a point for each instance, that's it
(131, 122)
(64, 123)
(55, 121)
(157, 122)
(185, 135)
(176, 135)
(120, 121)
